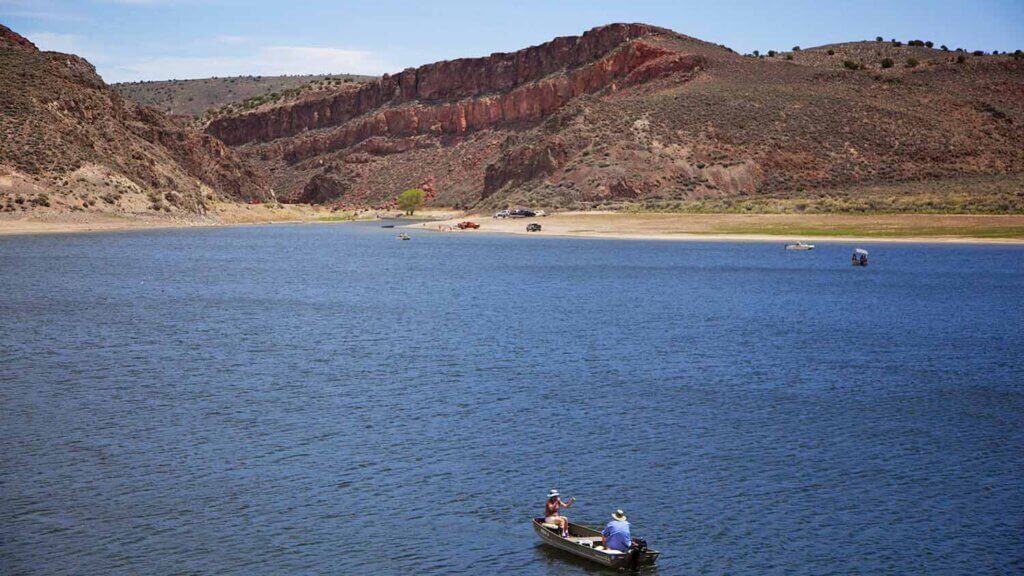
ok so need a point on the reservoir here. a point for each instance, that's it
(324, 399)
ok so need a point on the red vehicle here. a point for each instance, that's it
(467, 225)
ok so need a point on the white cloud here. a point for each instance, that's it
(267, 61)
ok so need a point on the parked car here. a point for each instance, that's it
(533, 227)
(541, 213)
(501, 214)
(467, 225)
(522, 213)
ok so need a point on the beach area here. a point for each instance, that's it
(937, 228)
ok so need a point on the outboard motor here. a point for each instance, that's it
(636, 549)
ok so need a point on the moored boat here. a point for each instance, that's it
(404, 236)
(586, 543)
(799, 246)
(860, 257)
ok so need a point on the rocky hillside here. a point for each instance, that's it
(193, 98)
(631, 113)
(69, 142)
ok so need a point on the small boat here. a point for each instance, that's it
(799, 246)
(404, 236)
(586, 543)
(859, 258)
(388, 226)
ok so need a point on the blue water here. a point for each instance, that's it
(328, 400)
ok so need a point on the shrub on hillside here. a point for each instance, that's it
(789, 56)
(887, 63)
(411, 199)
(879, 39)
(978, 53)
(772, 53)
(912, 62)
(851, 65)
(929, 44)
(796, 48)
(960, 59)
(831, 52)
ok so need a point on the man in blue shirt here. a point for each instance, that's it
(615, 535)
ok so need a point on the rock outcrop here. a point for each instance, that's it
(635, 113)
(83, 147)
(461, 79)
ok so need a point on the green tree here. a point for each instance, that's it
(410, 200)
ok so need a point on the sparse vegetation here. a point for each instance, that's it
(912, 62)
(887, 63)
(196, 97)
(851, 65)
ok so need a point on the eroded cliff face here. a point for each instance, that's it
(461, 79)
(633, 113)
(440, 104)
(69, 142)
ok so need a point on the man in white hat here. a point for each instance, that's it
(551, 514)
(615, 535)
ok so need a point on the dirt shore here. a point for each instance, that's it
(760, 227)
(58, 222)
(647, 226)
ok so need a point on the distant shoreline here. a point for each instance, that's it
(222, 215)
(909, 228)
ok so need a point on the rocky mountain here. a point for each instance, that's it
(193, 98)
(632, 113)
(69, 142)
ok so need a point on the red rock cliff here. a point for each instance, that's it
(514, 81)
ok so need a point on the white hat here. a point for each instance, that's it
(553, 493)
(619, 515)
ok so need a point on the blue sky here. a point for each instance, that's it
(162, 39)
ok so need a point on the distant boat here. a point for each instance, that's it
(404, 236)
(799, 246)
(586, 543)
(860, 257)
(388, 226)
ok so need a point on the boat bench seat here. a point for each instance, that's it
(582, 539)
(551, 526)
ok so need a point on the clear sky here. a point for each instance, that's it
(164, 39)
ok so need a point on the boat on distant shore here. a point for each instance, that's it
(586, 543)
(799, 246)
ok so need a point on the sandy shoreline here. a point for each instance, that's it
(930, 228)
(937, 228)
(218, 216)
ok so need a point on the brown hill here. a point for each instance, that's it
(193, 98)
(67, 141)
(631, 113)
